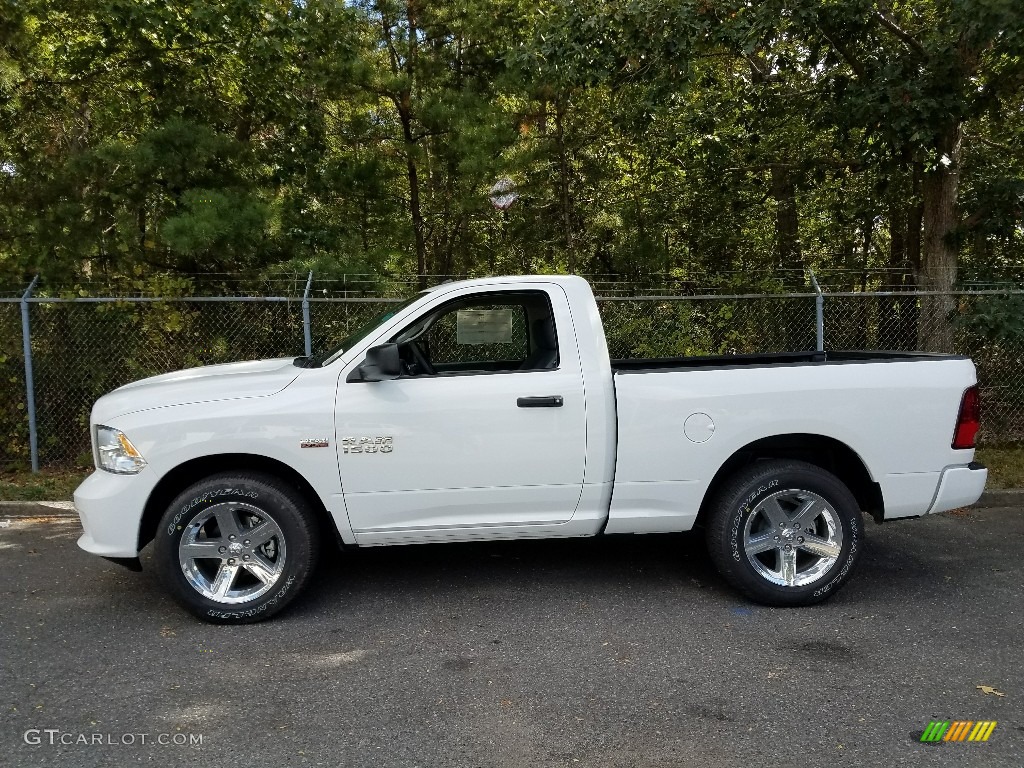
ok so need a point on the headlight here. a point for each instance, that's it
(116, 453)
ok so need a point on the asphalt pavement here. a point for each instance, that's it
(623, 651)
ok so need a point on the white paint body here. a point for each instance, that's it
(626, 453)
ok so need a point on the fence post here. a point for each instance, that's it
(819, 311)
(30, 393)
(305, 316)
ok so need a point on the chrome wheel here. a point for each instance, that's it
(792, 538)
(232, 553)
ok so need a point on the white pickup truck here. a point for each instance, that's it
(489, 409)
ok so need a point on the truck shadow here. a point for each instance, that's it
(608, 565)
(597, 565)
(619, 567)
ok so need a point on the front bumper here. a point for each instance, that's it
(959, 487)
(110, 507)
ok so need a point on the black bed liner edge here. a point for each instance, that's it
(774, 360)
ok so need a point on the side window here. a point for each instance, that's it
(486, 333)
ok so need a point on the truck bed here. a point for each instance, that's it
(897, 421)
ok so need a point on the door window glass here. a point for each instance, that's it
(487, 333)
(482, 333)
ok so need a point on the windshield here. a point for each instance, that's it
(365, 330)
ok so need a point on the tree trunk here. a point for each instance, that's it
(796, 335)
(142, 223)
(869, 232)
(915, 213)
(787, 226)
(405, 114)
(939, 250)
(898, 218)
(414, 192)
(565, 202)
(898, 328)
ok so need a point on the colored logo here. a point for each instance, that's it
(958, 730)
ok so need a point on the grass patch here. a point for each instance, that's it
(45, 485)
(1005, 465)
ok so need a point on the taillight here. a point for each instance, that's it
(969, 420)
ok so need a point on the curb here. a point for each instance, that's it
(32, 509)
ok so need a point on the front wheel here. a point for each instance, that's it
(785, 533)
(236, 547)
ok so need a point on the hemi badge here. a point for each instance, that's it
(320, 442)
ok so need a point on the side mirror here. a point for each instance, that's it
(382, 363)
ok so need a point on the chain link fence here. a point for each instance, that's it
(14, 448)
(84, 348)
(675, 326)
(893, 322)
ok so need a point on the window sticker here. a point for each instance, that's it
(484, 326)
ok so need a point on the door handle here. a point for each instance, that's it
(550, 401)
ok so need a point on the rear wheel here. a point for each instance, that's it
(785, 533)
(236, 547)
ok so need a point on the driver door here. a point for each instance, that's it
(472, 441)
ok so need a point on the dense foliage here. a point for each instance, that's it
(718, 141)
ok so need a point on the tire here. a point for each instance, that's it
(785, 533)
(236, 548)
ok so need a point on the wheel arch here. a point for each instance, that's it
(822, 451)
(194, 470)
